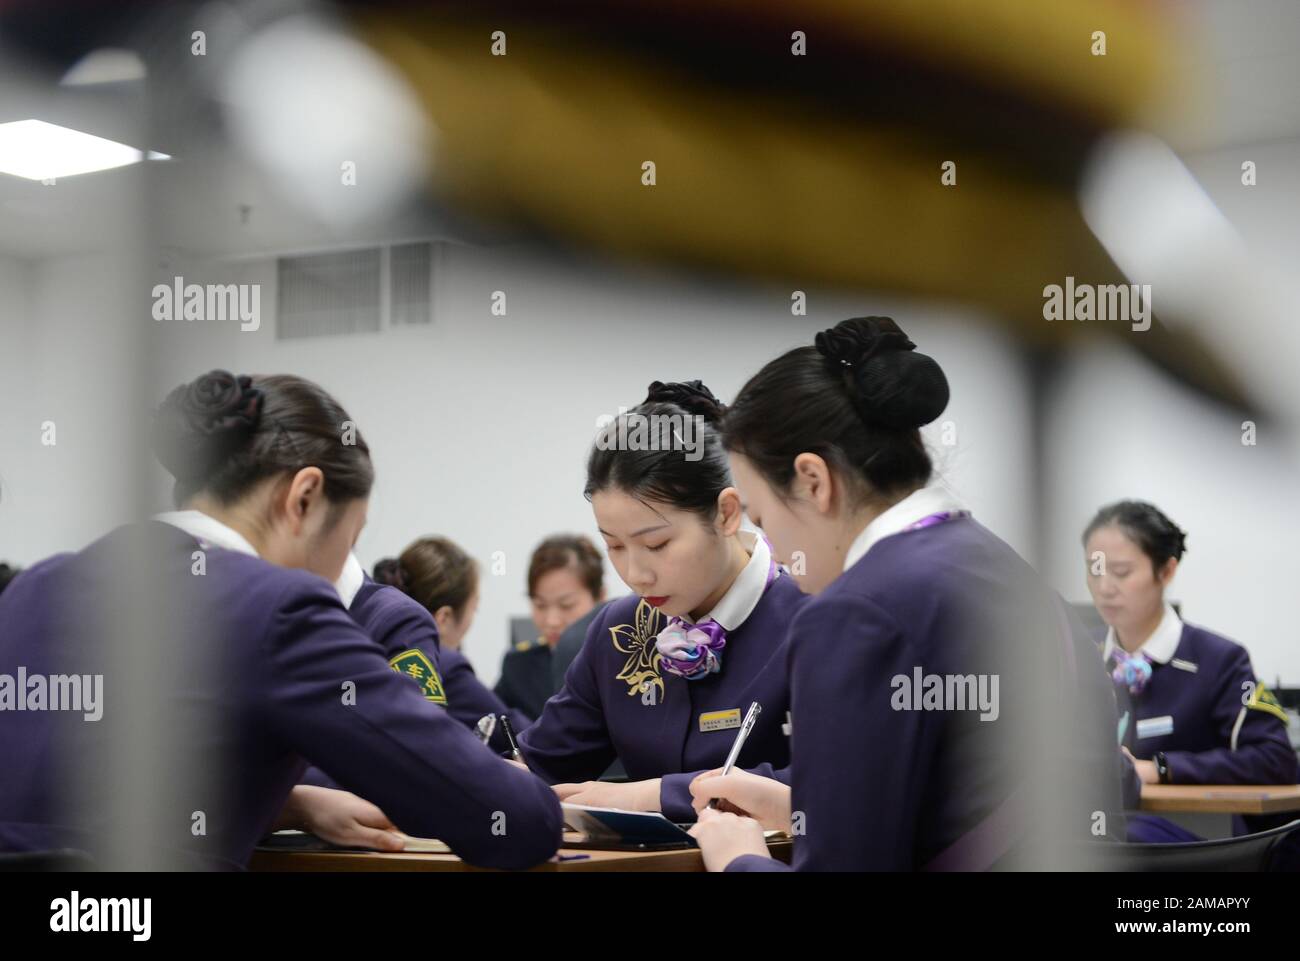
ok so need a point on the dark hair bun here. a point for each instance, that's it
(892, 385)
(390, 571)
(691, 396)
(202, 423)
(1148, 526)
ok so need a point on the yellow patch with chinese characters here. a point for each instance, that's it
(417, 666)
(1262, 699)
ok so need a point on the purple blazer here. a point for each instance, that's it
(881, 782)
(409, 638)
(1209, 715)
(263, 691)
(617, 703)
(401, 626)
(404, 628)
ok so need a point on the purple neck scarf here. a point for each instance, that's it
(694, 651)
(1130, 670)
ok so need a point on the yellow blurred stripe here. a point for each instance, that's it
(556, 138)
(1041, 47)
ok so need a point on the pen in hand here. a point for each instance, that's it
(513, 745)
(745, 728)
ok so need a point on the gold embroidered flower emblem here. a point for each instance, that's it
(637, 641)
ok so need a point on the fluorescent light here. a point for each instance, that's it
(42, 151)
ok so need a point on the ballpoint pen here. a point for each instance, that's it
(746, 726)
(511, 743)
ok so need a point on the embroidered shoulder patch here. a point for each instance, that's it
(1262, 699)
(417, 666)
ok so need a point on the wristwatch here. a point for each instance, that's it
(1162, 767)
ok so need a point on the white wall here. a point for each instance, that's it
(16, 332)
(67, 355)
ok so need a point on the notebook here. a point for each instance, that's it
(615, 828)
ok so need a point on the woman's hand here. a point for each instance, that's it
(761, 798)
(1147, 771)
(627, 796)
(341, 818)
(723, 837)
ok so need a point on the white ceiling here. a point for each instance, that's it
(1248, 80)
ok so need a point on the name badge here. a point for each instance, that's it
(720, 720)
(1155, 726)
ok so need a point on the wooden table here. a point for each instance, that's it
(1222, 798)
(687, 859)
(1207, 809)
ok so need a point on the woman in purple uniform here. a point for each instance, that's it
(665, 676)
(273, 674)
(441, 577)
(565, 584)
(935, 685)
(1191, 708)
(404, 631)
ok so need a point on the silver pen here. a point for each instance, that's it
(745, 727)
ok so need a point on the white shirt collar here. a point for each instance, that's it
(1162, 643)
(207, 530)
(350, 580)
(747, 589)
(916, 505)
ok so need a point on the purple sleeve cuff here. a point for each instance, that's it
(755, 862)
(315, 777)
(675, 797)
(781, 774)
